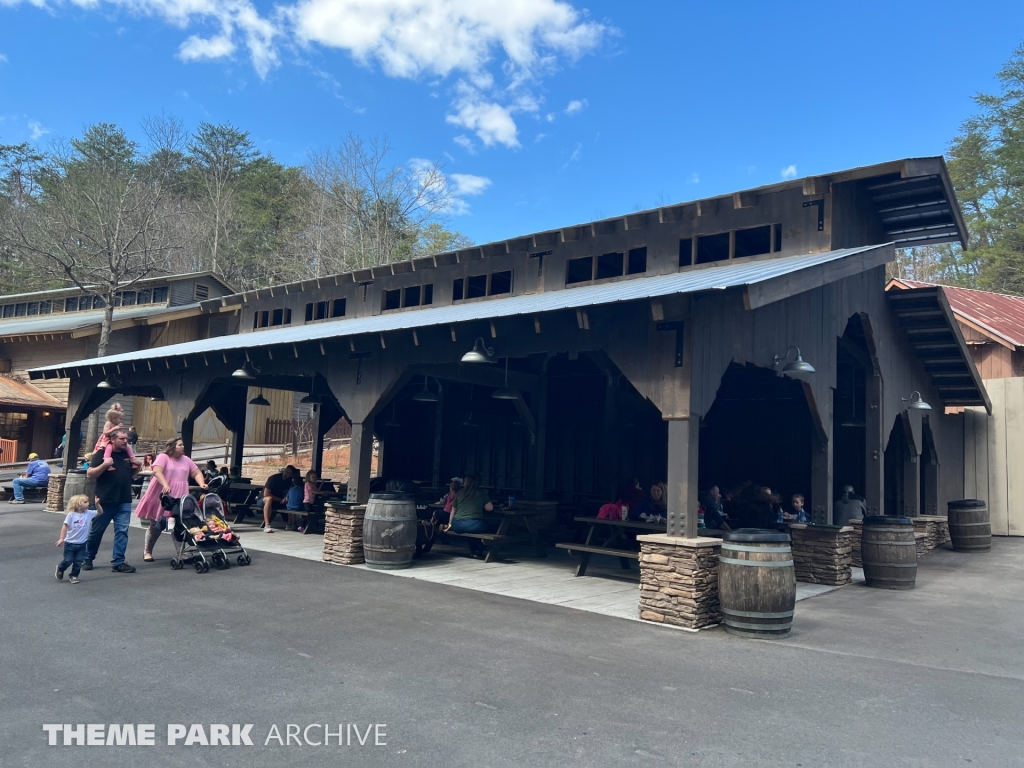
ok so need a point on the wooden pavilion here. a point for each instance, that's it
(661, 344)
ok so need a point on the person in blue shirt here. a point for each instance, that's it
(37, 474)
(294, 499)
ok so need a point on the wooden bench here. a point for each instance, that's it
(502, 537)
(36, 493)
(586, 550)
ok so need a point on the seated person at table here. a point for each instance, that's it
(631, 494)
(468, 513)
(848, 507)
(443, 516)
(294, 500)
(275, 494)
(210, 470)
(763, 511)
(655, 507)
(796, 513)
(224, 472)
(714, 512)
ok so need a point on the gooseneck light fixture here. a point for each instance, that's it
(247, 372)
(111, 382)
(915, 402)
(480, 353)
(799, 365)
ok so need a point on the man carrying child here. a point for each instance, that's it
(113, 475)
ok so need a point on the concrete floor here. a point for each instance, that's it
(932, 677)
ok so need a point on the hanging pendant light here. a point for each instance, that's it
(111, 382)
(797, 366)
(425, 395)
(259, 399)
(247, 372)
(506, 392)
(915, 402)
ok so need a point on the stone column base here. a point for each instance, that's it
(343, 535)
(679, 580)
(55, 493)
(822, 554)
(856, 536)
(936, 531)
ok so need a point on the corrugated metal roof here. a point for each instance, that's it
(68, 322)
(997, 313)
(19, 393)
(718, 276)
(74, 290)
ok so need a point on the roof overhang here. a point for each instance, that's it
(764, 280)
(934, 335)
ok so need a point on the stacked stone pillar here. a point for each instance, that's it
(343, 534)
(679, 580)
(822, 554)
(55, 493)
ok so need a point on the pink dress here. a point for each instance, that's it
(177, 473)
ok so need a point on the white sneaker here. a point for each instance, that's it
(268, 529)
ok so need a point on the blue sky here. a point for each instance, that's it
(546, 113)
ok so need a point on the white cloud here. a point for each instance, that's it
(576, 105)
(37, 130)
(789, 172)
(473, 40)
(467, 184)
(694, 178)
(466, 143)
(3, 58)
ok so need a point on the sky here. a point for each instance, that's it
(543, 113)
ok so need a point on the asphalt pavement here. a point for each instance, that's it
(452, 677)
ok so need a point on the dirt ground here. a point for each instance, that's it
(335, 466)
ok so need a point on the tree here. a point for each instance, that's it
(92, 216)
(18, 170)
(218, 155)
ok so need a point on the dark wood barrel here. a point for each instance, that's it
(389, 531)
(757, 583)
(970, 526)
(889, 552)
(76, 484)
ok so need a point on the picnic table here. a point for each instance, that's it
(609, 537)
(509, 520)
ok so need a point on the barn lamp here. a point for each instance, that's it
(480, 353)
(797, 366)
(111, 382)
(915, 402)
(247, 372)
(312, 398)
(158, 399)
(259, 399)
(506, 392)
(425, 395)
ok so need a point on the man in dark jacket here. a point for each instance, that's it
(113, 478)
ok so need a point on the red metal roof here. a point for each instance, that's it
(996, 314)
(21, 394)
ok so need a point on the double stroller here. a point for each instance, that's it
(201, 536)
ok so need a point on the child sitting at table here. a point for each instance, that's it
(796, 512)
(294, 499)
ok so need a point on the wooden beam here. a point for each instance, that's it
(744, 200)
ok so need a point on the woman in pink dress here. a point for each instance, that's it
(171, 471)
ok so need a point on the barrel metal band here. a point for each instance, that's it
(740, 548)
(762, 563)
(767, 628)
(888, 529)
(969, 525)
(758, 614)
(890, 565)
(890, 581)
(892, 543)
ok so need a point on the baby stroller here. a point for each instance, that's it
(201, 535)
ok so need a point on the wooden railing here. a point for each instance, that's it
(8, 451)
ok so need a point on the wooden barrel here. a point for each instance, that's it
(970, 526)
(78, 483)
(889, 552)
(757, 583)
(389, 531)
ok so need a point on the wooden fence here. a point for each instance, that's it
(994, 455)
(9, 451)
(300, 432)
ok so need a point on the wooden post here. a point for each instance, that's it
(73, 446)
(187, 430)
(360, 458)
(537, 453)
(911, 484)
(316, 459)
(435, 475)
(612, 437)
(237, 450)
(821, 480)
(874, 458)
(683, 450)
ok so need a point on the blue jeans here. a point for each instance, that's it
(461, 525)
(74, 555)
(21, 483)
(118, 514)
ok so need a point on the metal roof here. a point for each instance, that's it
(74, 289)
(717, 276)
(20, 394)
(934, 335)
(919, 210)
(994, 314)
(69, 322)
